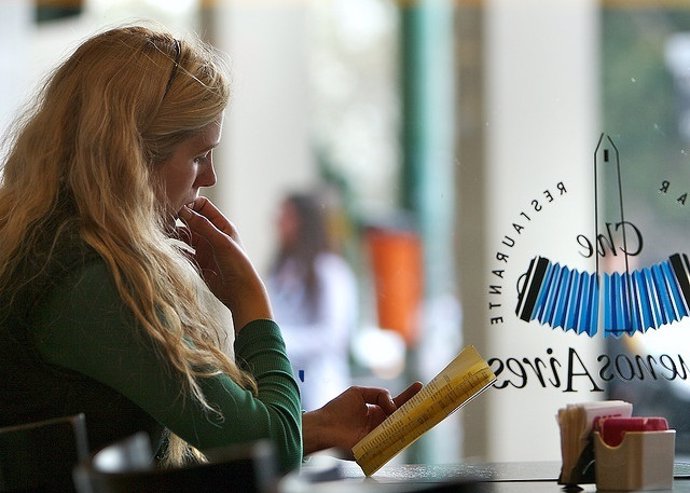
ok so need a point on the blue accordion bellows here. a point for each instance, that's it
(651, 297)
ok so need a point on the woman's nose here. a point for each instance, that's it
(207, 176)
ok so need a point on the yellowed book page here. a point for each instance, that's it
(464, 377)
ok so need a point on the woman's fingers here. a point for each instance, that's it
(407, 394)
(204, 227)
(382, 398)
(198, 223)
(206, 209)
(378, 396)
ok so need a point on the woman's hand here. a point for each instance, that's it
(227, 270)
(345, 420)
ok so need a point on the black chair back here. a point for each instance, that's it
(40, 456)
(126, 466)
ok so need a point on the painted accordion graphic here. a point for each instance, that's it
(629, 302)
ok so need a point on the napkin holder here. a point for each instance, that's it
(642, 461)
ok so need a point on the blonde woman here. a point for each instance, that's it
(101, 293)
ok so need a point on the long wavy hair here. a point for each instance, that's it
(101, 125)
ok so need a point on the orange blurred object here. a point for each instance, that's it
(396, 259)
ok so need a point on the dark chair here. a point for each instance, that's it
(40, 456)
(127, 467)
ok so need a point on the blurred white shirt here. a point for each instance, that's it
(318, 341)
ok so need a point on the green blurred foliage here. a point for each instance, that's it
(639, 110)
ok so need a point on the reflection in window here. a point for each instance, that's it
(645, 66)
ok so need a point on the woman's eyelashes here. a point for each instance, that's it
(203, 158)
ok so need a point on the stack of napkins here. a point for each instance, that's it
(575, 422)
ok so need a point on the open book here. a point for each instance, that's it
(464, 377)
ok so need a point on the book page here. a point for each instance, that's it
(464, 377)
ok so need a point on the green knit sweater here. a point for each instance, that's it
(69, 344)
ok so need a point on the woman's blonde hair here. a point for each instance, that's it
(102, 123)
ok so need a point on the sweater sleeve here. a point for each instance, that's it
(83, 325)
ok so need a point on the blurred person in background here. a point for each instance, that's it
(314, 296)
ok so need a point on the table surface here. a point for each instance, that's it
(331, 475)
